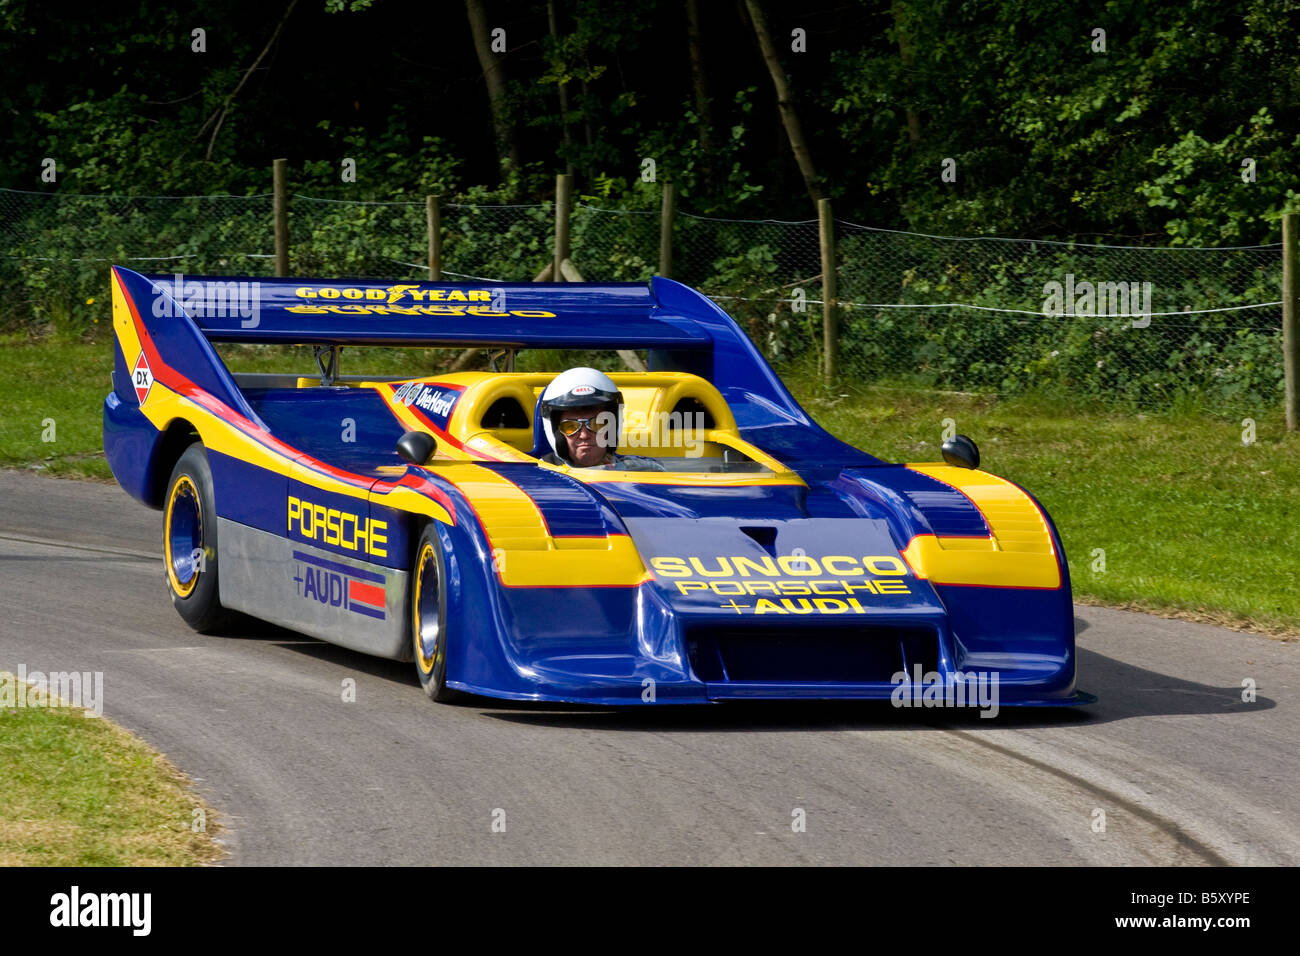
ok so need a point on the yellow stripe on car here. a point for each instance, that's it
(1017, 553)
(524, 555)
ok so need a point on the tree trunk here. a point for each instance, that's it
(703, 112)
(789, 117)
(564, 95)
(494, 75)
(905, 53)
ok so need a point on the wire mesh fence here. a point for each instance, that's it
(55, 249)
(1142, 326)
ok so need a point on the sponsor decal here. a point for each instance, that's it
(788, 583)
(394, 293)
(583, 390)
(142, 378)
(402, 299)
(437, 402)
(341, 529)
(332, 584)
(475, 310)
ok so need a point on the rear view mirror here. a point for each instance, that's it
(417, 447)
(961, 452)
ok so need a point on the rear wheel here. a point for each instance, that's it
(190, 543)
(429, 617)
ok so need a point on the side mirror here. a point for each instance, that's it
(417, 447)
(960, 452)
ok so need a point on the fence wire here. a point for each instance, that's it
(1140, 325)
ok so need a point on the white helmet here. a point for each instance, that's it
(578, 388)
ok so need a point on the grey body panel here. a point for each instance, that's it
(262, 576)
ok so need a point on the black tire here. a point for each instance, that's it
(189, 526)
(429, 617)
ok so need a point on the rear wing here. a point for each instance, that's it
(170, 322)
(430, 314)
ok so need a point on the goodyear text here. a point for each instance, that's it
(403, 299)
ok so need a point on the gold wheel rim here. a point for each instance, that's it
(425, 663)
(183, 486)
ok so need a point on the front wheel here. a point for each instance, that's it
(190, 543)
(429, 617)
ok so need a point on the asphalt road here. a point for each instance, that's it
(1176, 765)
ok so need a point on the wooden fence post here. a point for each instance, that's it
(280, 211)
(830, 310)
(666, 213)
(563, 197)
(1291, 318)
(433, 217)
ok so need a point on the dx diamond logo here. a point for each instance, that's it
(142, 379)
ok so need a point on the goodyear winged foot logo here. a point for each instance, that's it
(408, 299)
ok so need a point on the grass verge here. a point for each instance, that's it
(81, 791)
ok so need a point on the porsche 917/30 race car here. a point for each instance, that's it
(759, 556)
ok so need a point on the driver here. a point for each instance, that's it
(582, 414)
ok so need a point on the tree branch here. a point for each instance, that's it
(785, 101)
(219, 116)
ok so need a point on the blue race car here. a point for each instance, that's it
(722, 546)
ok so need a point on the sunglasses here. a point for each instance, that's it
(571, 426)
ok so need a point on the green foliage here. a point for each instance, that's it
(396, 164)
(1053, 138)
(62, 247)
(1229, 359)
(1203, 184)
(497, 241)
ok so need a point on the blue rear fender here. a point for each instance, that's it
(140, 456)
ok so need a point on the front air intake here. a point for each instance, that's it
(852, 655)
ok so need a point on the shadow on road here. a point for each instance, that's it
(1123, 690)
